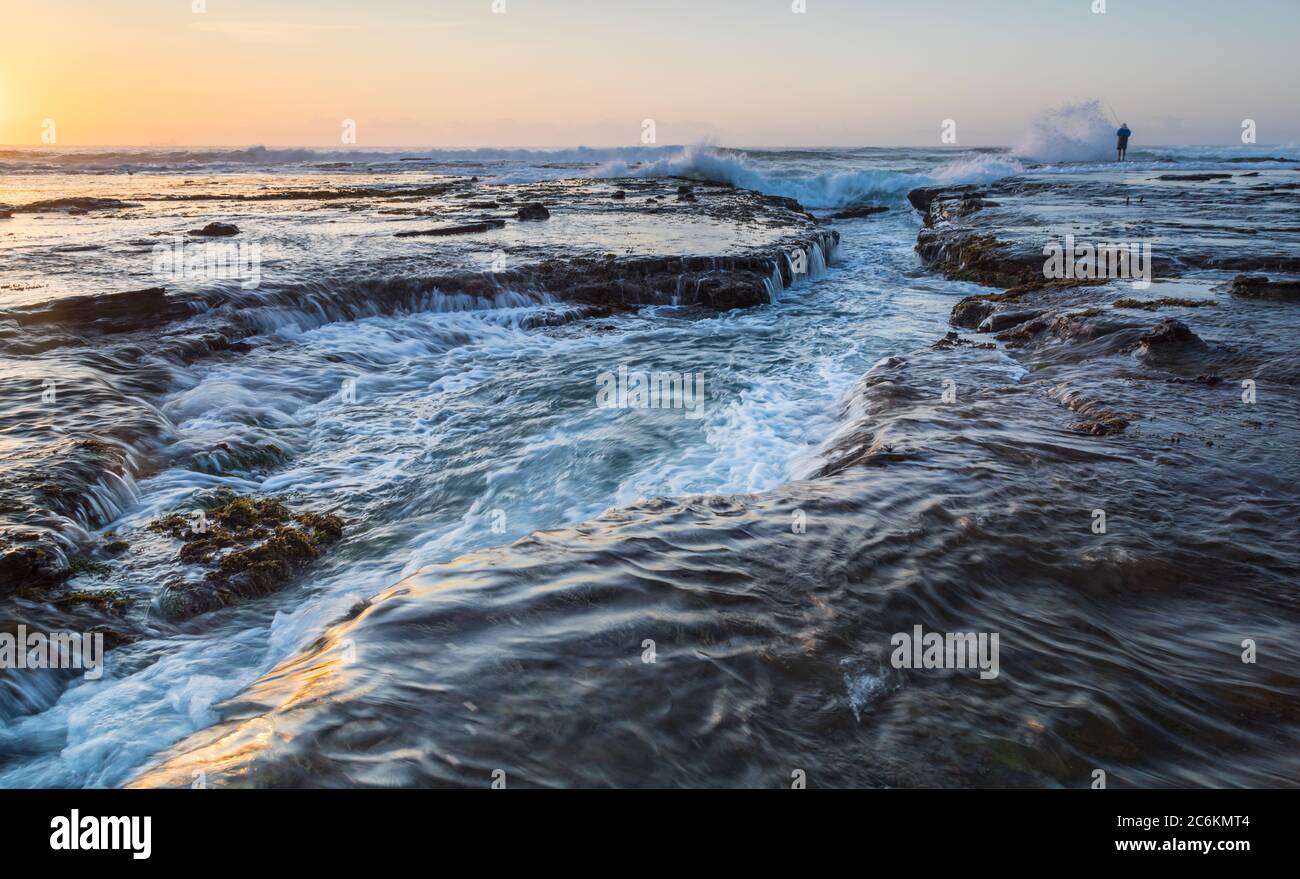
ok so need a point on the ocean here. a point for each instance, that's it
(703, 594)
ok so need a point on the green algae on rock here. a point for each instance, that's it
(253, 546)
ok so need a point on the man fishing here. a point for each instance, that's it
(1121, 148)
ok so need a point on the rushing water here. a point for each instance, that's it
(450, 427)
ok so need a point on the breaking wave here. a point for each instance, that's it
(1081, 132)
(830, 190)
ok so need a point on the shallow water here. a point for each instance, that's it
(473, 427)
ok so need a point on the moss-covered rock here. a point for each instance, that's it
(88, 567)
(253, 546)
(110, 600)
(1153, 304)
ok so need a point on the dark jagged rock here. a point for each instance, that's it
(107, 313)
(967, 256)
(30, 560)
(330, 194)
(1169, 331)
(533, 211)
(216, 230)
(619, 195)
(1194, 178)
(1166, 341)
(788, 204)
(1090, 323)
(1260, 287)
(721, 282)
(76, 203)
(1022, 332)
(1005, 319)
(954, 340)
(463, 229)
(923, 197)
(861, 211)
(971, 312)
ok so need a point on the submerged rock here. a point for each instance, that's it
(1260, 287)
(216, 230)
(112, 601)
(80, 204)
(970, 312)
(29, 559)
(1169, 331)
(1167, 342)
(1105, 424)
(860, 211)
(1194, 178)
(104, 313)
(1202, 379)
(533, 211)
(463, 229)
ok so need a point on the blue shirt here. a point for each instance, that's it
(1123, 132)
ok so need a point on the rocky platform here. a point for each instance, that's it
(961, 488)
(582, 248)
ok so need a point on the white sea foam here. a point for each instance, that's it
(824, 191)
(1081, 132)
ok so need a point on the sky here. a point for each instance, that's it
(549, 73)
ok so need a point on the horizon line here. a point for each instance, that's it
(580, 146)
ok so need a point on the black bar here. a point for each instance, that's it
(1001, 827)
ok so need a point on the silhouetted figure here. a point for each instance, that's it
(1121, 148)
